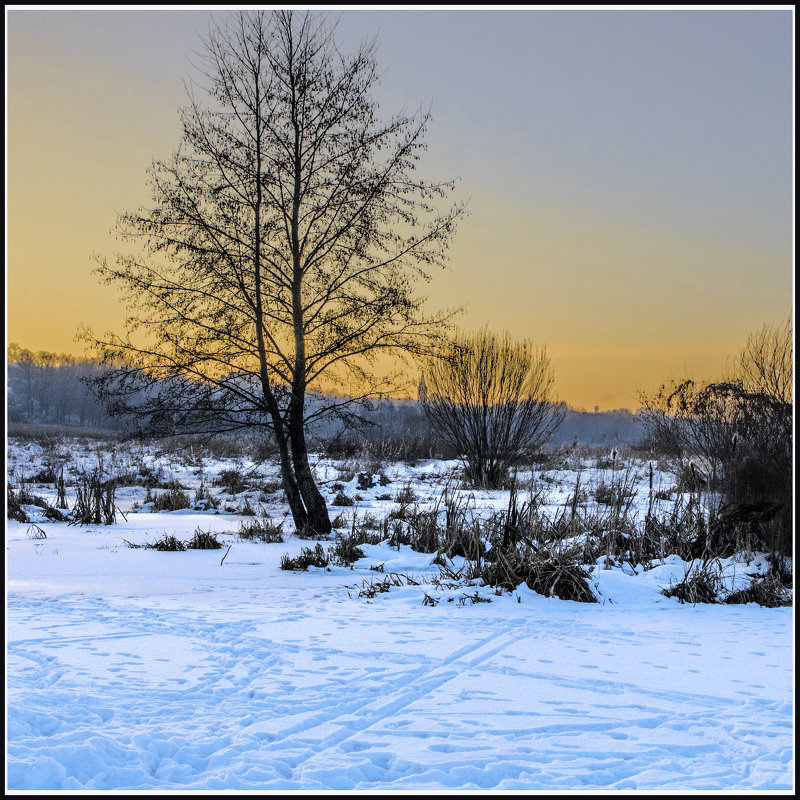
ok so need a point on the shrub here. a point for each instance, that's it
(405, 496)
(14, 502)
(490, 398)
(339, 521)
(740, 427)
(664, 494)
(46, 475)
(246, 510)
(608, 494)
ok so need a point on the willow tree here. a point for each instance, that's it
(282, 246)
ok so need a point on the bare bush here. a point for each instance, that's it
(491, 399)
(735, 435)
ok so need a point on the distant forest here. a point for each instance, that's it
(50, 389)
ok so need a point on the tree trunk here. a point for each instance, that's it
(318, 520)
(290, 484)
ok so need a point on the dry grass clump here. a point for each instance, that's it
(772, 589)
(405, 496)
(262, 530)
(342, 499)
(203, 540)
(15, 499)
(700, 584)
(371, 588)
(232, 481)
(166, 543)
(766, 590)
(174, 499)
(307, 558)
(345, 551)
(547, 573)
(94, 503)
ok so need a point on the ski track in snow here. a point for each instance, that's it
(182, 698)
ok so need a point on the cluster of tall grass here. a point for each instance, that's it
(556, 554)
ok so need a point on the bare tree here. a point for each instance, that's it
(742, 428)
(762, 378)
(692, 420)
(491, 399)
(281, 252)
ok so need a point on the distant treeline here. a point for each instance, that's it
(50, 388)
(397, 419)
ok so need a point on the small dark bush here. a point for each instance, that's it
(339, 521)
(231, 480)
(14, 503)
(345, 551)
(342, 499)
(405, 496)
(549, 574)
(307, 558)
(167, 543)
(246, 510)
(766, 590)
(700, 584)
(262, 530)
(171, 500)
(365, 481)
(129, 479)
(664, 494)
(203, 540)
(609, 495)
(46, 475)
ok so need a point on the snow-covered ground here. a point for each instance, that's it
(134, 669)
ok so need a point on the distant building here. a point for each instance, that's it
(422, 389)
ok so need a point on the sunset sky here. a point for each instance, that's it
(629, 173)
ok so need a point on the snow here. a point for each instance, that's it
(134, 669)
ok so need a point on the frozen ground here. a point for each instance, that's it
(132, 669)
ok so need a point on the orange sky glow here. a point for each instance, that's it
(629, 176)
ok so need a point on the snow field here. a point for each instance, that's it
(132, 669)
